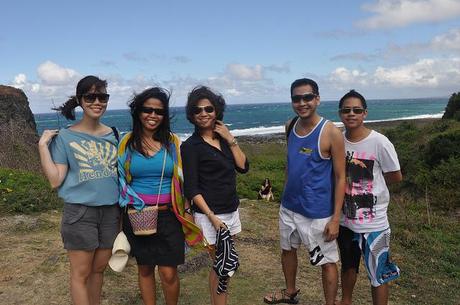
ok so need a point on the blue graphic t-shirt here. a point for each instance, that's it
(92, 167)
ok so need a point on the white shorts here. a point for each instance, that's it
(232, 220)
(296, 229)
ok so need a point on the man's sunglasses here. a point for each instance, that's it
(91, 97)
(150, 110)
(306, 97)
(356, 110)
(198, 110)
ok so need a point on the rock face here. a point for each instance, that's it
(18, 132)
(14, 108)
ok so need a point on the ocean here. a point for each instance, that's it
(262, 119)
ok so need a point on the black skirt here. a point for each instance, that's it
(164, 248)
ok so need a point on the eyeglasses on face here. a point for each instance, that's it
(150, 110)
(91, 97)
(207, 109)
(308, 97)
(356, 110)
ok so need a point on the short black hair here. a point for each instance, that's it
(355, 94)
(303, 82)
(202, 92)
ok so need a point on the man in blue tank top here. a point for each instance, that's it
(313, 194)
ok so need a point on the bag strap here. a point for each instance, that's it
(291, 125)
(115, 132)
(161, 179)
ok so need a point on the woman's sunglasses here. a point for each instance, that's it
(150, 110)
(306, 97)
(91, 97)
(207, 109)
(356, 110)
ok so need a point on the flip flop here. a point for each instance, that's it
(282, 296)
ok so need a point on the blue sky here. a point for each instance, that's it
(250, 51)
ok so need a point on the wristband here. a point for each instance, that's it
(234, 142)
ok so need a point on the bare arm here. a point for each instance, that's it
(201, 203)
(238, 154)
(338, 162)
(393, 177)
(55, 173)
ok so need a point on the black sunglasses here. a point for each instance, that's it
(356, 110)
(150, 110)
(306, 97)
(91, 97)
(198, 110)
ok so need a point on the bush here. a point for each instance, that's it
(430, 160)
(453, 107)
(25, 192)
(443, 190)
(442, 147)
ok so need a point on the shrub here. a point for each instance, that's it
(442, 147)
(453, 107)
(25, 192)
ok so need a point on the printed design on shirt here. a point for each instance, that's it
(96, 160)
(305, 150)
(359, 204)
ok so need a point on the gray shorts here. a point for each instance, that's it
(89, 227)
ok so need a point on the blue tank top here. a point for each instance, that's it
(309, 187)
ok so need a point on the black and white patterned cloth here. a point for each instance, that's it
(226, 262)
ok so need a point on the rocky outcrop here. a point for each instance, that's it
(14, 108)
(18, 132)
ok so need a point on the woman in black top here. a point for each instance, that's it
(210, 157)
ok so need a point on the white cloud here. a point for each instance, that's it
(400, 13)
(345, 78)
(19, 80)
(423, 73)
(423, 78)
(243, 72)
(447, 41)
(52, 74)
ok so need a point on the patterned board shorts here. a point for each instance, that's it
(296, 229)
(375, 248)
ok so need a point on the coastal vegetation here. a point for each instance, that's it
(424, 215)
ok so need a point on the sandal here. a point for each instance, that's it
(282, 296)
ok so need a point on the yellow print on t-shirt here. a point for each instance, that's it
(96, 160)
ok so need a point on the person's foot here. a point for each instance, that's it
(282, 296)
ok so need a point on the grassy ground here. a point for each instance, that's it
(34, 269)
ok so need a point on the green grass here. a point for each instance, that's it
(25, 192)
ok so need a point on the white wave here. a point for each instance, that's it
(262, 130)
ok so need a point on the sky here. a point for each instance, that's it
(250, 51)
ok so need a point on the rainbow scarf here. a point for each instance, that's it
(193, 234)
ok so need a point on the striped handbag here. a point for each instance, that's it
(144, 222)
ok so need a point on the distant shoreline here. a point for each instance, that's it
(379, 126)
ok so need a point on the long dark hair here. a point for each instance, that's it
(84, 85)
(163, 132)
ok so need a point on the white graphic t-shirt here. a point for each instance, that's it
(366, 193)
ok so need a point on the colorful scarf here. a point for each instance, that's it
(193, 234)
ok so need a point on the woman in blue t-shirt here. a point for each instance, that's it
(151, 174)
(81, 162)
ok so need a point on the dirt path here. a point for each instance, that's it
(34, 266)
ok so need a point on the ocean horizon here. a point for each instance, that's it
(264, 119)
